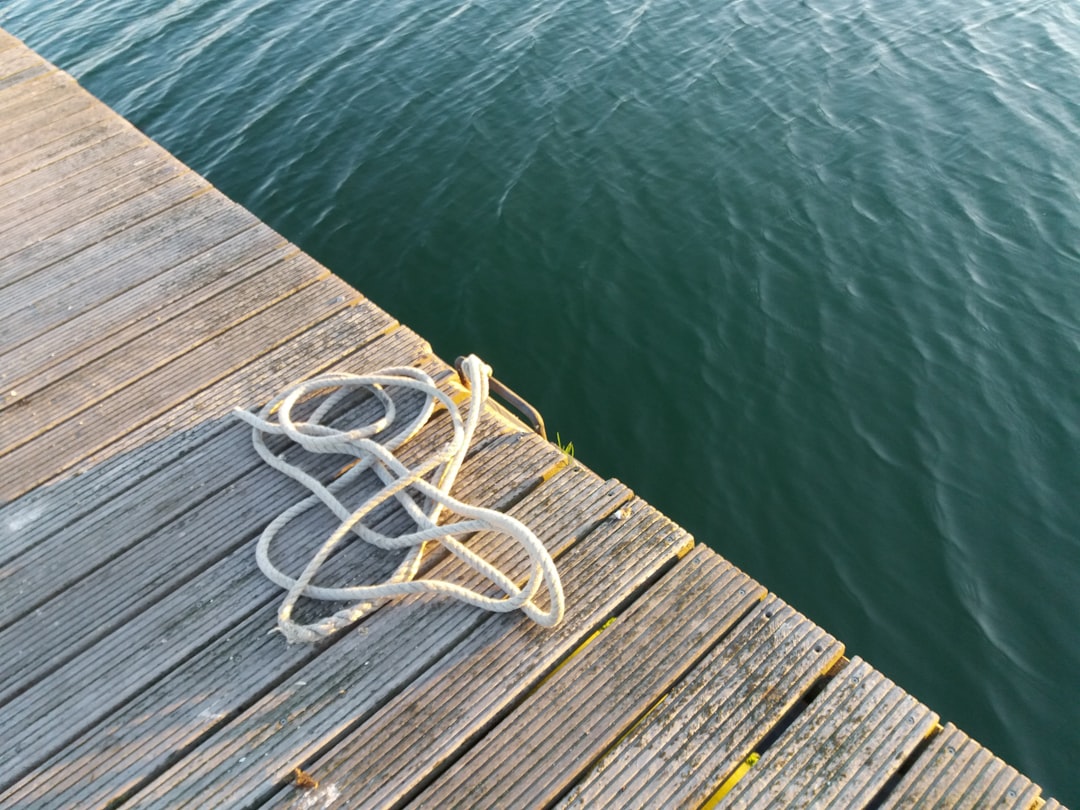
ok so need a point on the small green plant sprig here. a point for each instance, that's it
(567, 448)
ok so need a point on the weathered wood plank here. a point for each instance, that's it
(158, 242)
(14, 59)
(171, 436)
(137, 742)
(355, 677)
(712, 721)
(70, 211)
(19, 64)
(31, 415)
(89, 170)
(188, 612)
(188, 498)
(26, 75)
(36, 93)
(97, 428)
(131, 314)
(60, 138)
(150, 562)
(955, 771)
(422, 729)
(16, 135)
(103, 237)
(539, 751)
(842, 750)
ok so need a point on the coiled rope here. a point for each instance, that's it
(432, 479)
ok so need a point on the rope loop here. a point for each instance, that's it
(432, 479)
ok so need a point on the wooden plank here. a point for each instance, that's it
(36, 93)
(97, 428)
(150, 563)
(168, 632)
(131, 314)
(101, 239)
(84, 172)
(15, 59)
(31, 415)
(195, 493)
(18, 134)
(60, 138)
(359, 674)
(843, 749)
(425, 727)
(159, 241)
(540, 750)
(710, 724)
(20, 64)
(58, 213)
(955, 771)
(25, 75)
(170, 437)
(182, 429)
(243, 389)
(138, 741)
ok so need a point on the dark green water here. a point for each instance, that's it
(804, 274)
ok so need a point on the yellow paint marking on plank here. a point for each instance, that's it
(731, 781)
(577, 650)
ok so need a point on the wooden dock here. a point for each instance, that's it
(138, 306)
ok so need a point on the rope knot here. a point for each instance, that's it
(431, 479)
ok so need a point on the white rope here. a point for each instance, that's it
(432, 479)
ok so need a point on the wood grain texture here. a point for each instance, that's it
(18, 65)
(538, 752)
(75, 283)
(31, 415)
(58, 139)
(352, 680)
(134, 312)
(192, 422)
(956, 772)
(237, 487)
(357, 334)
(103, 238)
(434, 718)
(182, 590)
(89, 171)
(136, 743)
(29, 73)
(842, 750)
(56, 215)
(98, 427)
(37, 92)
(724, 708)
(17, 134)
